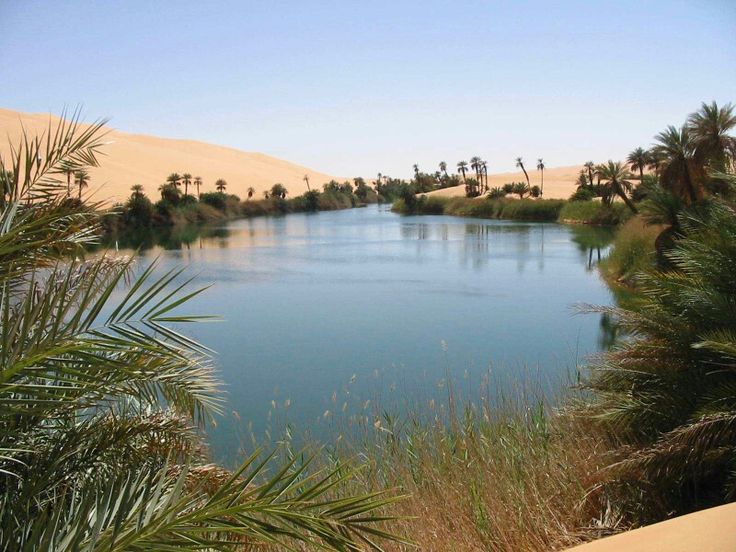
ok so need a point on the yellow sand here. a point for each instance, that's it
(559, 182)
(147, 160)
(712, 530)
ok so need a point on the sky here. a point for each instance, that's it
(355, 88)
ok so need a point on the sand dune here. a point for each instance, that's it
(559, 182)
(137, 159)
(706, 530)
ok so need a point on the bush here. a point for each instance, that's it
(582, 194)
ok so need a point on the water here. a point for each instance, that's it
(342, 307)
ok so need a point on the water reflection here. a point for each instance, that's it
(592, 242)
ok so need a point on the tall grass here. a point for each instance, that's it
(594, 212)
(542, 210)
(633, 250)
(507, 476)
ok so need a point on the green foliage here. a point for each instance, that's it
(496, 193)
(521, 189)
(582, 194)
(633, 250)
(668, 395)
(544, 210)
(594, 212)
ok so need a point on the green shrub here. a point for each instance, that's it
(582, 194)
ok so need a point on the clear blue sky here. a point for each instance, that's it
(359, 87)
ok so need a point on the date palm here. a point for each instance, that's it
(540, 167)
(475, 164)
(81, 178)
(174, 179)
(251, 191)
(443, 169)
(306, 179)
(69, 173)
(462, 167)
(102, 402)
(484, 174)
(137, 190)
(589, 166)
(220, 185)
(675, 151)
(666, 395)
(709, 130)
(197, 184)
(520, 165)
(186, 179)
(616, 179)
(638, 160)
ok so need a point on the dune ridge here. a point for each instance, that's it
(147, 160)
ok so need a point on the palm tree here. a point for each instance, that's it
(82, 180)
(174, 179)
(137, 190)
(521, 188)
(590, 167)
(278, 190)
(675, 151)
(520, 165)
(220, 185)
(443, 168)
(475, 164)
(462, 167)
(484, 174)
(69, 172)
(638, 160)
(709, 130)
(540, 167)
(306, 179)
(104, 402)
(197, 183)
(666, 395)
(616, 178)
(186, 179)
(251, 191)
(416, 171)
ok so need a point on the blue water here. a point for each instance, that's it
(324, 309)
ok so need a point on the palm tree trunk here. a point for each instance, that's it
(541, 189)
(622, 194)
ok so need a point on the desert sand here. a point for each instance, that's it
(147, 160)
(707, 530)
(559, 182)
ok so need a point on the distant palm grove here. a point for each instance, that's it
(183, 202)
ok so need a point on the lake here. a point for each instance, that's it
(323, 312)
